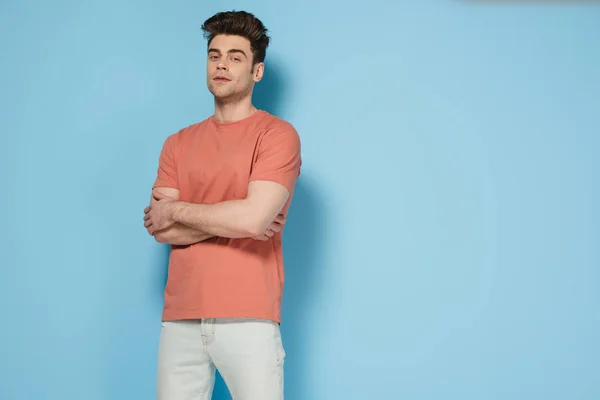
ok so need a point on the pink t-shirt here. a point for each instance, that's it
(210, 162)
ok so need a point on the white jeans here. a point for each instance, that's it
(248, 353)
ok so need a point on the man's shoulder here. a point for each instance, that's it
(271, 121)
(186, 133)
(276, 128)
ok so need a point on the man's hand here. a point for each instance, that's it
(276, 226)
(159, 214)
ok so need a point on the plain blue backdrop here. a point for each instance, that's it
(443, 242)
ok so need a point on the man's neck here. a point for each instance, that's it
(231, 112)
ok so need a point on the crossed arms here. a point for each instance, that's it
(177, 222)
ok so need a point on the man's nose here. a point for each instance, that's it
(222, 65)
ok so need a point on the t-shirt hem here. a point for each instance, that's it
(175, 315)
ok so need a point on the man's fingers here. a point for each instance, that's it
(275, 227)
(147, 210)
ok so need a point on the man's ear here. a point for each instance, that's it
(259, 70)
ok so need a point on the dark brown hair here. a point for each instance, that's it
(239, 23)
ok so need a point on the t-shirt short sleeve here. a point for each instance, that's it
(167, 165)
(279, 157)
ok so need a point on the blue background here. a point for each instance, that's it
(443, 242)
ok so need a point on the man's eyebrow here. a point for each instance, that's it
(211, 50)
(237, 51)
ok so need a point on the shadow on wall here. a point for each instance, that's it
(301, 240)
(268, 93)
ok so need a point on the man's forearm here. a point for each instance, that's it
(231, 219)
(180, 234)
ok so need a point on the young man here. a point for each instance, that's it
(221, 196)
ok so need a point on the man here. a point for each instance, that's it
(221, 196)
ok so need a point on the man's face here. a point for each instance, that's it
(230, 72)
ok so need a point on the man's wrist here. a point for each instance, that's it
(175, 210)
(181, 212)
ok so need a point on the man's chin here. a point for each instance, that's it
(221, 94)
